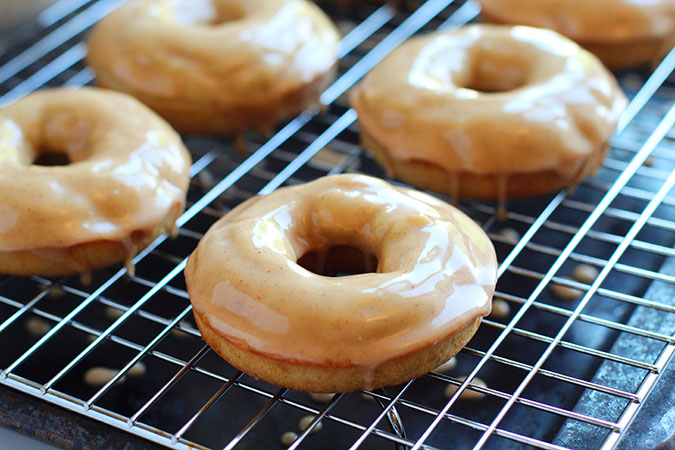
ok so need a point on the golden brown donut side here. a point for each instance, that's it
(426, 175)
(317, 378)
(261, 62)
(622, 34)
(197, 117)
(125, 183)
(82, 258)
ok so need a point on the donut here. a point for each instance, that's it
(219, 67)
(422, 276)
(622, 33)
(489, 112)
(88, 177)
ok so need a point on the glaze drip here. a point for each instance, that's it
(502, 185)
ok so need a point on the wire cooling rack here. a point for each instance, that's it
(539, 358)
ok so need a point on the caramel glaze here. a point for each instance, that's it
(127, 178)
(436, 273)
(234, 64)
(591, 21)
(492, 101)
(622, 33)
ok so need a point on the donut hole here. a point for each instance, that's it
(52, 158)
(65, 139)
(490, 74)
(57, 152)
(225, 15)
(208, 12)
(339, 261)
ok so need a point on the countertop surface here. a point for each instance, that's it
(12, 440)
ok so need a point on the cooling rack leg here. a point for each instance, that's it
(394, 420)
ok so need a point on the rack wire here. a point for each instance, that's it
(539, 360)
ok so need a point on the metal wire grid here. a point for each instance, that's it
(621, 222)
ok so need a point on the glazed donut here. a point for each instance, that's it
(489, 112)
(122, 181)
(260, 308)
(217, 66)
(622, 33)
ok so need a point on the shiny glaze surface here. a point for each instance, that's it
(128, 170)
(436, 273)
(216, 52)
(592, 21)
(491, 100)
